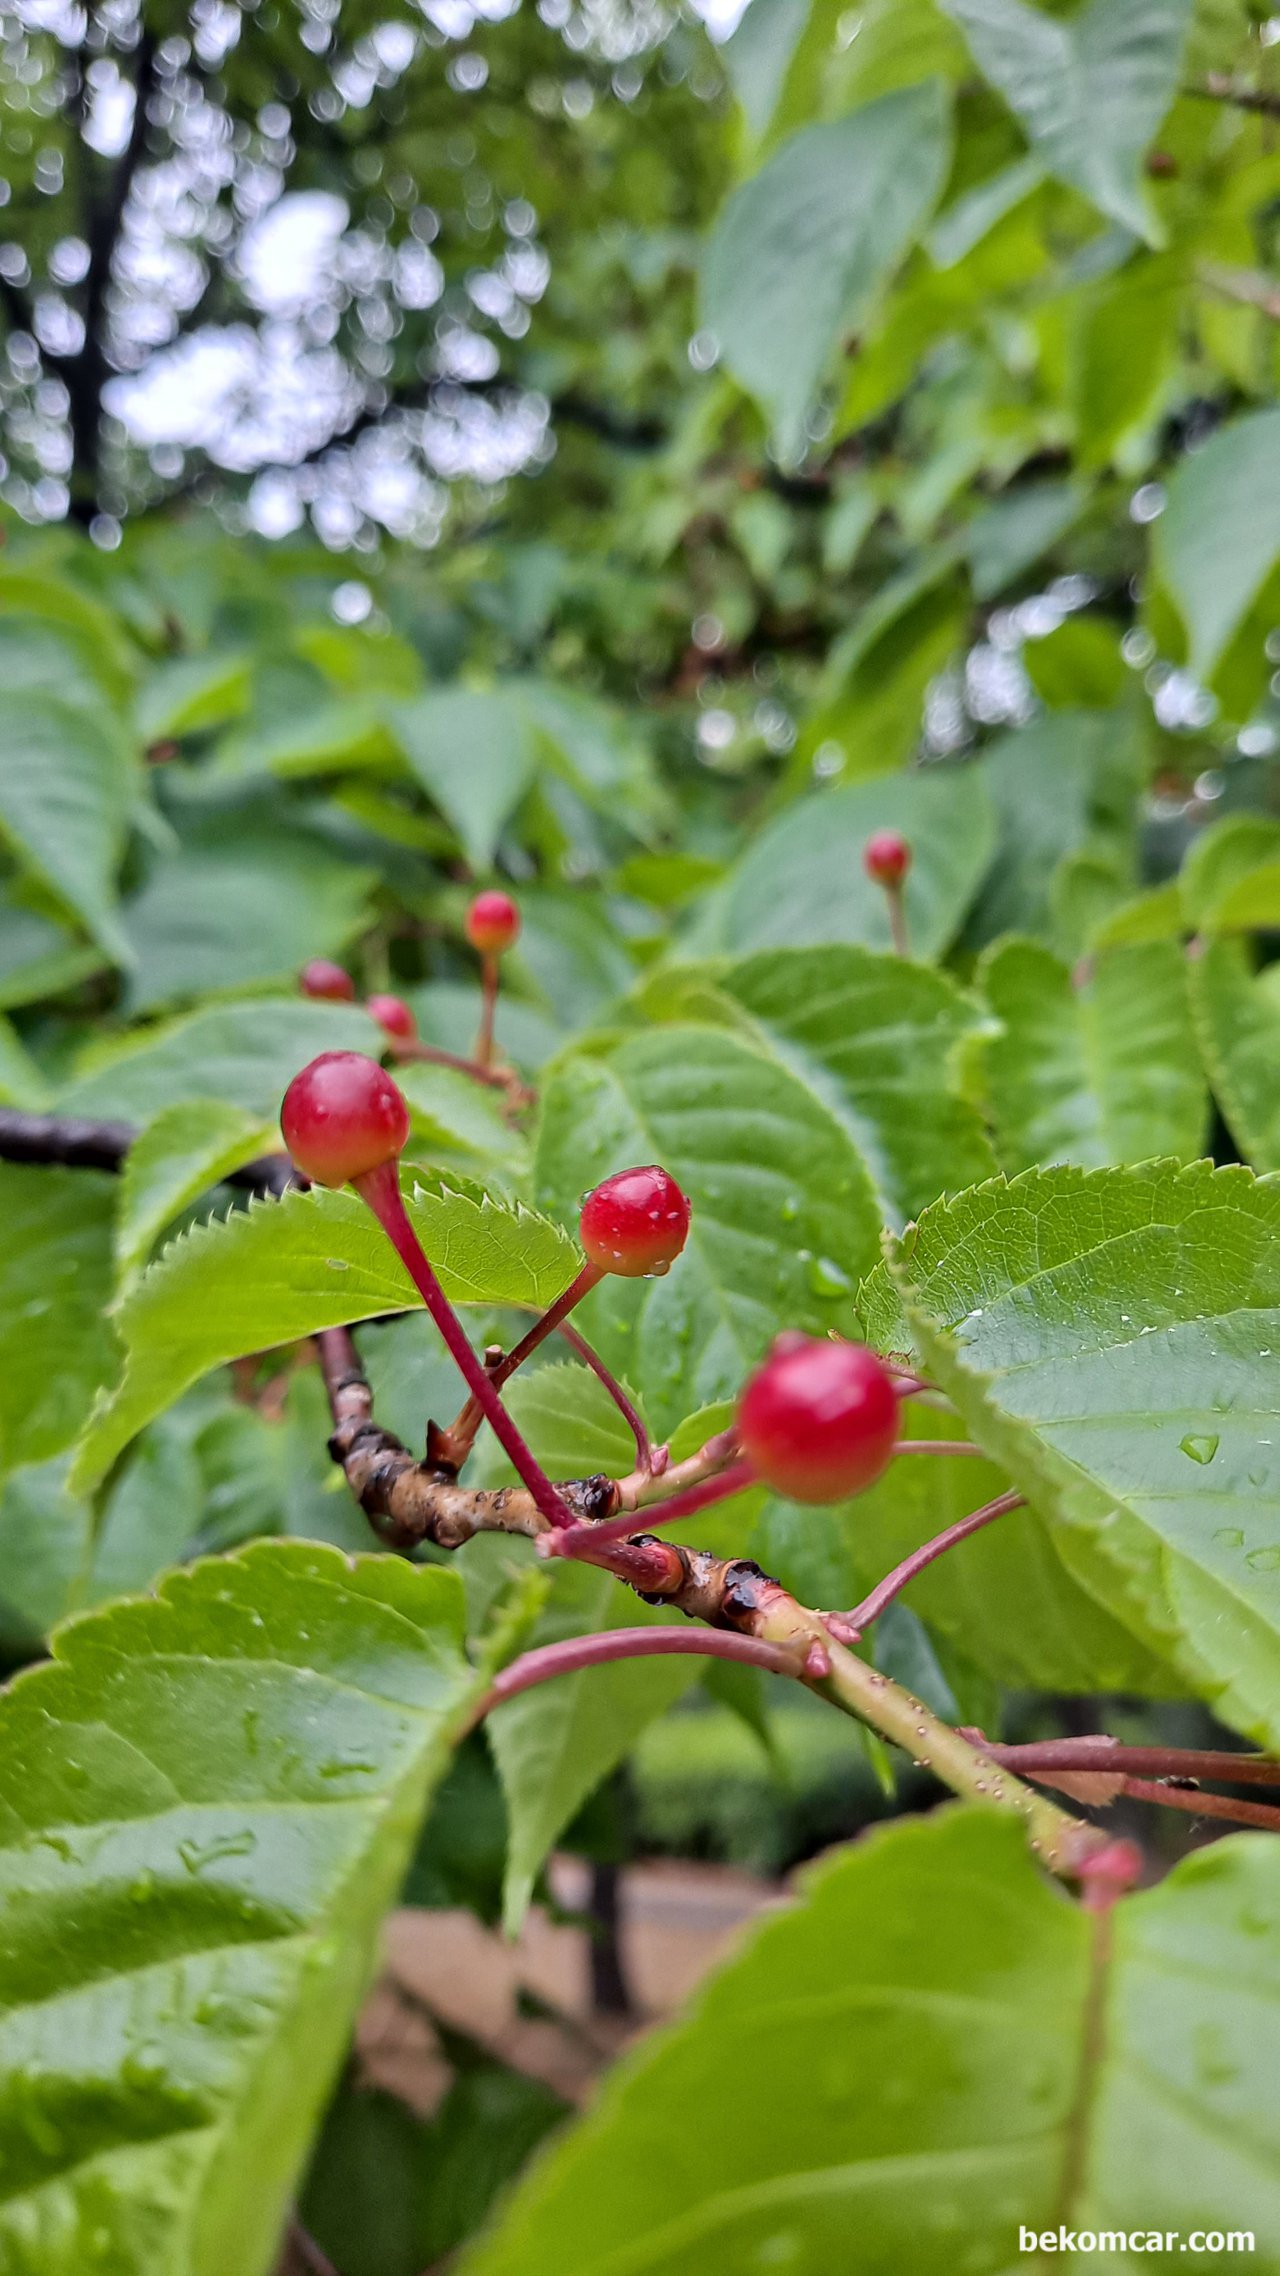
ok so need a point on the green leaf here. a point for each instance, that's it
(883, 670)
(193, 693)
(975, 213)
(237, 906)
(1012, 534)
(801, 249)
(67, 783)
(801, 882)
(570, 1421)
(1218, 538)
(39, 959)
(1124, 352)
(554, 1744)
(180, 1155)
(1059, 784)
(1096, 1066)
(1153, 915)
(1109, 1337)
(219, 1790)
(328, 737)
(390, 2193)
(877, 1041)
(56, 1345)
(457, 1123)
(1089, 94)
(246, 1055)
(1077, 664)
(859, 2072)
(95, 629)
(22, 1082)
(1237, 1014)
(1230, 880)
(784, 1218)
(38, 658)
(281, 1270)
(473, 751)
(45, 1536)
(758, 55)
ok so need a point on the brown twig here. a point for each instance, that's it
(76, 1142)
(408, 1501)
(1220, 87)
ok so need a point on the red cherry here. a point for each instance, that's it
(819, 1420)
(343, 1116)
(327, 981)
(635, 1224)
(493, 922)
(886, 857)
(393, 1014)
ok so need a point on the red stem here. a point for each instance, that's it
(575, 1652)
(554, 1317)
(1106, 1754)
(380, 1188)
(1204, 1805)
(581, 1540)
(430, 1056)
(893, 1583)
(592, 1359)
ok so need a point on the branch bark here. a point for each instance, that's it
(78, 1143)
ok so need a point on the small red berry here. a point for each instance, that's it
(493, 922)
(393, 1014)
(819, 1420)
(342, 1116)
(886, 857)
(635, 1224)
(327, 981)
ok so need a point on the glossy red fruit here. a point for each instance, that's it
(493, 921)
(327, 981)
(341, 1116)
(886, 857)
(393, 1014)
(818, 1419)
(635, 1224)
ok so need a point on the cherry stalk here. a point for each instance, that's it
(345, 1122)
(635, 1224)
(492, 926)
(886, 858)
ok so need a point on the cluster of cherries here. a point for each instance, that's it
(818, 1420)
(492, 926)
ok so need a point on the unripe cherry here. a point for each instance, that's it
(819, 1420)
(886, 857)
(635, 1223)
(393, 1014)
(343, 1116)
(327, 981)
(493, 922)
